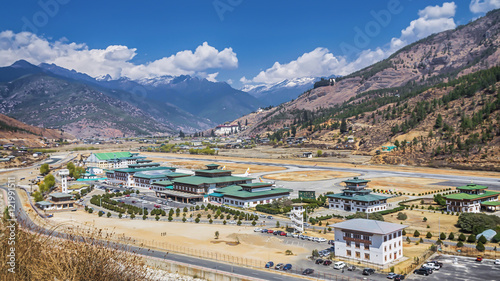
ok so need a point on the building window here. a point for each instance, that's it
(385, 238)
(367, 256)
(385, 248)
(358, 255)
(348, 253)
(385, 258)
(357, 245)
(348, 243)
(367, 247)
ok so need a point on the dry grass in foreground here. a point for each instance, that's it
(81, 257)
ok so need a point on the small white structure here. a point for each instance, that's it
(297, 217)
(226, 129)
(370, 241)
(64, 173)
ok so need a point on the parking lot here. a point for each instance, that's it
(467, 269)
(320, 269)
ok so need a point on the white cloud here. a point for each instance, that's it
(321, 62)
(114, 60)
(483, 6)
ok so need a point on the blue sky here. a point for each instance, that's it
(239, 41)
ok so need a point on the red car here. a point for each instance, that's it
(282, 233)
(128, 195)
(157, 206)
(270, 231)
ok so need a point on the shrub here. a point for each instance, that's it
(144, 217)
(451, 236)
(416, 233)
(402, 216)
(404, 232)
(442, 236)
(460, 244)
(428, 235)
(109, 214)
(461, 237)
(471, 238)
(425, 219)
(480, 246)
(197, 220)
(482, 239)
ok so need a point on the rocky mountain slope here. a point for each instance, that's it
(436, 100)
(437, 58)
(39, 97)
(207, 102)
(21, 134)
(286, 90)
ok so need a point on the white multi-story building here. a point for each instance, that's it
(248, 194)
(370, 241)
(113, 160)
(356, 198)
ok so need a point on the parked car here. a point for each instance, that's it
(276, 232)
(157, 206)
(437, 263)
(351, 267)
(421, 271)
(331, 242)
(269, 217)
(322, 240)
(339, 265)
(391, 275)
(270, 231)
(479, 259)
(257, 230)
(308, 271)
(264, 230)
(302, 236)
(399, 277)
(279, 266)
(287, 267)
(282, 233)
(327, 262)
(295, 235)
(368, 271)
(431, 265)
(497, 261)
(319, 261)
(269, 264)
(262, 216)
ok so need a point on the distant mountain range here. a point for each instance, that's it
(54, 97)
(286, 90)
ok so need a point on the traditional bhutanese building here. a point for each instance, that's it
(113, 160)
(471, 199)
(356, 198)
(125, 176)
(194, 188)
(248, 194)
(147, 179)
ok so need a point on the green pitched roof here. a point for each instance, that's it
(44, 203)
(491, 203)
(153, 176)
(465, 196)
(59, 195)
(162, 183)
(214, 171)
(256, 184)
(131, 170)
(237, 191)
(112, 155)
(356, 180)
(364, 198)
(472, 186)
(197, 180)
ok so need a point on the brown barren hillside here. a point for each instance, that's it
(19, 133)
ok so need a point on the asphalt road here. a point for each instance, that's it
(249, 272)
(466, 269)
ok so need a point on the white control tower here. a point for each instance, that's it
(64, 173)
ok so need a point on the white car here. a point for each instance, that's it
(232, 222)
(310, 238)
(257, 230)
(339, 265)
(322, 240)
(497, 261)
(295, 235)
(431, 265)
(315, 239)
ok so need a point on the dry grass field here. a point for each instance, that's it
(309, 175)
(406, 185)
(436, 222)
(236, 168)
